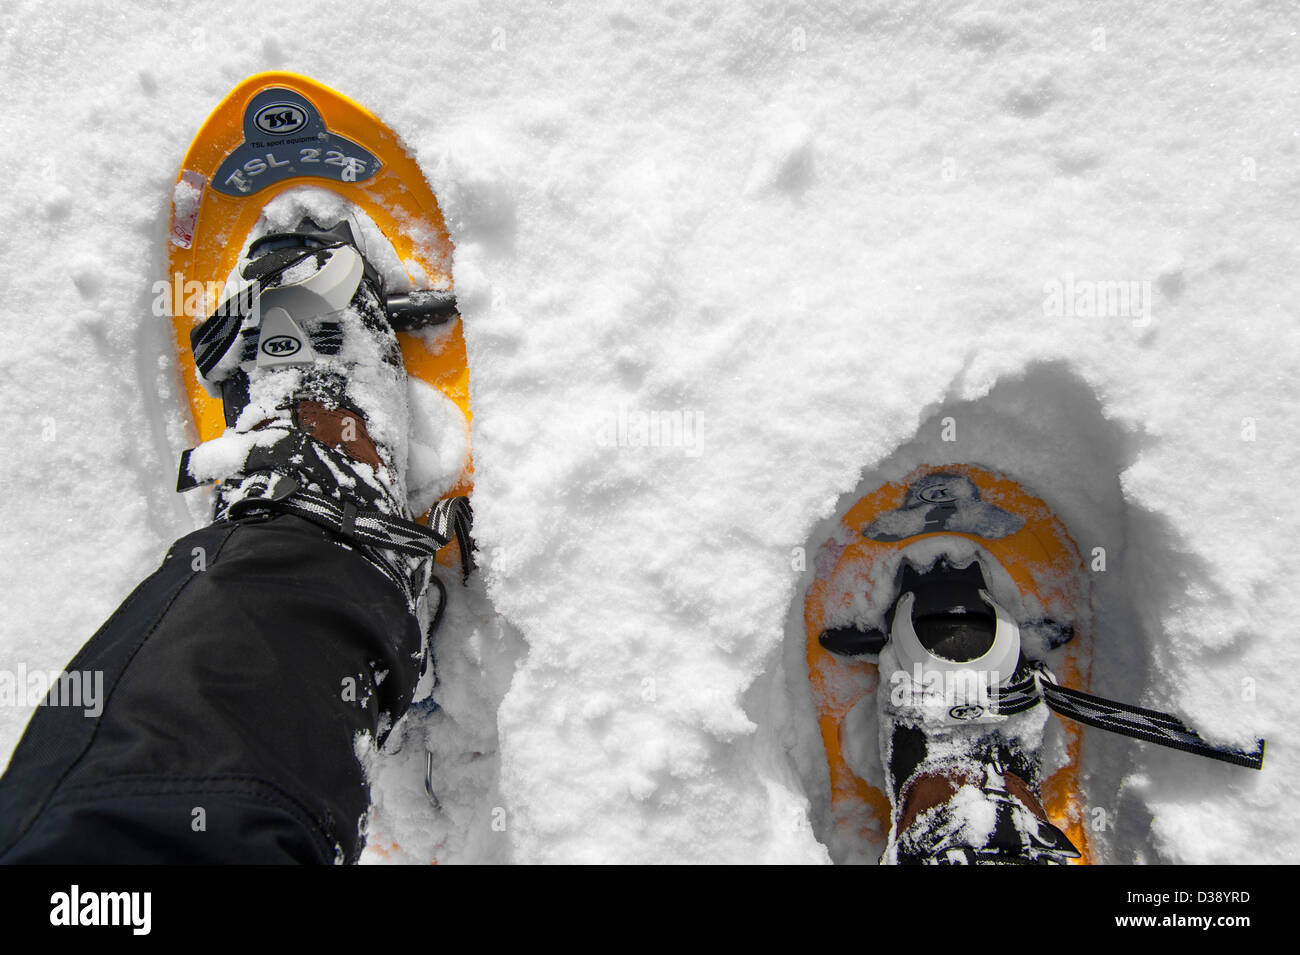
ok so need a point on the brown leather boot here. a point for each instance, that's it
(967, 813)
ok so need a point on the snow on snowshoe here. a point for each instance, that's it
(279, 132)
(947, 615)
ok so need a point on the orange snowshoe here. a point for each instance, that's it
(944, 610)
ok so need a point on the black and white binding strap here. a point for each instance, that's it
(212, 339)
(1149, 725)
(1018, 697)
(451, 517)
(364, 527)
(1122, 718)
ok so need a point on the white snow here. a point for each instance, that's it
(439, 445)
(805, 235)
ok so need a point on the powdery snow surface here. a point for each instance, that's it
(724, 269)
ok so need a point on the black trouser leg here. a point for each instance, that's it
(236, 682)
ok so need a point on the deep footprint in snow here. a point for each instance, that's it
(1045, 429)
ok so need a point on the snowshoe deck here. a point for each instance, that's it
(1012, 525)
(277, 131)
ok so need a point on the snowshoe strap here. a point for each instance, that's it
(1143, 724)
(371, 528)
(274, 482)
(212, 339)
(453, 517)
(1018, 696)
(1122, 718)
(217, 334)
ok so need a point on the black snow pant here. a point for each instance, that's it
(237, 681)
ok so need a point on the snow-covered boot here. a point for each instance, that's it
(313, 388)
(963, 763)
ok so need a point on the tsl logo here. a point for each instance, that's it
(937, 494)
(280, 346)
(280, 119)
